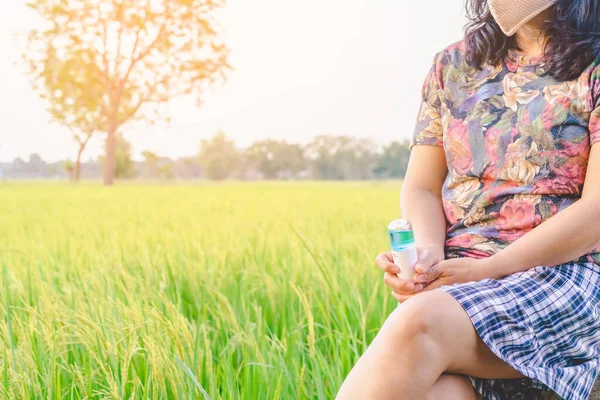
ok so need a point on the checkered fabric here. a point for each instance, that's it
(545, 323)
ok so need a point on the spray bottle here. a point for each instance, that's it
(404, 249)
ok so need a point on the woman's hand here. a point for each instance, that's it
(449, 272)
(427, 258)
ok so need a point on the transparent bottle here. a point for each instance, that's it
(404, 249)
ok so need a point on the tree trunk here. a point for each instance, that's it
(82, 145)
(78, 164)
(110, 162)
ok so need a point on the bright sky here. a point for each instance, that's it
(302, 68)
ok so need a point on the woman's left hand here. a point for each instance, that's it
(448, 272)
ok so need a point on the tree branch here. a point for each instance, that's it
(145, 99)
(135, 59)
(149, 48)
(82, 142)
(125, 78)
(106, 71)
(88, 137)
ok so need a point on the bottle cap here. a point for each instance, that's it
(400, 225)
(401, 233)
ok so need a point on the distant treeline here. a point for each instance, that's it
(324, 157)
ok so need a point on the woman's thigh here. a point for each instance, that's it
(441, 316)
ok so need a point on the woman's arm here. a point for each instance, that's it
(564, 237)
(421, 204)
(421, 197)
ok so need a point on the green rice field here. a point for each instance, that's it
(220, 291)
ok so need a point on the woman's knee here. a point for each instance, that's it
(452, 387)
(419, 317)
(435, 326)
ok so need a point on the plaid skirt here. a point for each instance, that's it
(544, 323)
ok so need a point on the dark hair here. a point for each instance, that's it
(573, 37)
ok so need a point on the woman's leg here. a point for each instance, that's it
(428, 335)
(452, 387)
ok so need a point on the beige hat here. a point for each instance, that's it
(513, 14)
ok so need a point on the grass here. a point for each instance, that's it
(232, 291)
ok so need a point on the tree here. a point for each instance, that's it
(124, 167)
(341, 157)
(393, 161)
(74, 93)
(290, 159)
(36, 161)
(82, 138)
(150, 164)
(188, 168)
(275, 159)
(357, 158)
(165, 171)
(69, 169)
(319, 152)
(218, 157)
(127, 58)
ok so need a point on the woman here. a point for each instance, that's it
(504, 184)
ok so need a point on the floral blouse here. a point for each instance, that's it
(516, 141)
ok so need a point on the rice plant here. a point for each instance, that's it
(207, 291)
